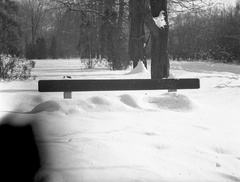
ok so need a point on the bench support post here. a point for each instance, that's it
(172, 90)
(67, 95)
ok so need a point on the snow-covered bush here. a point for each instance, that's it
(12, 68)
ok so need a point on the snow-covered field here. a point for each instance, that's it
(191, 135)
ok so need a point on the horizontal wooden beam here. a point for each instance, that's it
(116, 84)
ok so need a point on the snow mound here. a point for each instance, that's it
(168, 101)
(48, 106)
(173, 101)
(172, 75)
(139, 69)
(104, 104)
(70, 107)
(131, 101)
(125, 102)
(104, 100)
(67, 107)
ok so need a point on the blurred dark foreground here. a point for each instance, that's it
(19, 155)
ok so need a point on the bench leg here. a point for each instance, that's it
(67, 95)
(172, 90)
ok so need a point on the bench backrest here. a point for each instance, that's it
(68, 86)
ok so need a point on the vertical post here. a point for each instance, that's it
(67, 95)
(172, 90)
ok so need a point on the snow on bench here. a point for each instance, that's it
(70, 85)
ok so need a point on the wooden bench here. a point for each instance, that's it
(69, 86)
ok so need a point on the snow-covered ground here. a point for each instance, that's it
(191, 135)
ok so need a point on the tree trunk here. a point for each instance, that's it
(159, 56)
(137, 35)
(159, 39)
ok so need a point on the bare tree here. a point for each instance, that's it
(32, 13)
(159, 40)
(137, 34)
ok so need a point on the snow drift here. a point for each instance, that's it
(140, 69)
(125, 102)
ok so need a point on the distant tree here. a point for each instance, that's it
(99, 27)
(53, 49)
(9, 28)
(32, 16)
(86, 44)
(41, 48)
(37, 50)
(112, 38)
(67, 32)
(30, 51)
(107, 31)
(137, 34)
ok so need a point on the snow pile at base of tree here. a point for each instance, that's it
(140, 69)
(171, 75)
(190, 135)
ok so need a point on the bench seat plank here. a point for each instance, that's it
(72, 85)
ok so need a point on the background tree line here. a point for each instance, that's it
(119, 30)
(12, 66)
(212, 33)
